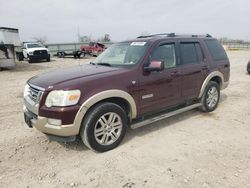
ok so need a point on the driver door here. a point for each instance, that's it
(159, 90)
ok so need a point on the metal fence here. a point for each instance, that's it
(69, 47)
(236, 46)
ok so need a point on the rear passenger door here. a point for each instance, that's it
(194, 68)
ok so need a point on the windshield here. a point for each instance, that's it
(122, 54)
(34, 45)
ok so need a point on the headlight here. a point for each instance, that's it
(63, 98)
(26, 90)
(30, 53)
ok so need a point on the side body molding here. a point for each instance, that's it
(101, 96)
(223, 84)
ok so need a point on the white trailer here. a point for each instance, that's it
(9, 42)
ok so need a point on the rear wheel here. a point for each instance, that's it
(211, 97)
(48, 59)
(104, 127)
(60, 54)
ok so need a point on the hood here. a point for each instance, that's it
(33, 49)
(53, 78)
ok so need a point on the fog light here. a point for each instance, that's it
(54, 121)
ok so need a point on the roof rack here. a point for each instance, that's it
(160, 34)
(173, 35)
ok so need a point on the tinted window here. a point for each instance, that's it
(199, 52)
(216, 50)
(122, 54)
(165, 53)
(191, 53)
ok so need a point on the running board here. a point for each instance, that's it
(164, 116)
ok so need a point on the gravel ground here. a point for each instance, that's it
(192, 149)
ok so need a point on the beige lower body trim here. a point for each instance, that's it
(209, 77)
(102, 96)
(41, 123)
(224, 85)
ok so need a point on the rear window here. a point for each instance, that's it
(216, 50)
(191, 53)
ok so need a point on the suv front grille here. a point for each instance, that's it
(34, 94)
(40, 52)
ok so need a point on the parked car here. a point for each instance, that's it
(9, 44)
(75, 54)
(34, 51)
(94, 48)
(131, 84)
(248, 67)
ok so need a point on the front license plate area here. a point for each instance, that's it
(27, 119)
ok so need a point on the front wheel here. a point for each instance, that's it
(104, 127)
(210, 97)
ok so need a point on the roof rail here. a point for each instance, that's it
(173, 35)
(160, 34)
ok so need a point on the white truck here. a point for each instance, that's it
(9, 43)
(34, 51)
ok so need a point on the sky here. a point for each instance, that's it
(62, 20)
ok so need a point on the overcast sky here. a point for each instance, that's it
(59, 20)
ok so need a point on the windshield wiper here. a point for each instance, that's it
(105, 64)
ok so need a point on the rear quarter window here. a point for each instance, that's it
(216, 50)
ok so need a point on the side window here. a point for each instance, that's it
(191, 53)
(199, 53)
(216, 50)
(166, 53)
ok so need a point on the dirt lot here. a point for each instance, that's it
(193, 149)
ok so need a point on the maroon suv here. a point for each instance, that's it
(131, 84)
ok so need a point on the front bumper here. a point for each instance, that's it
(39, 56)
(41, 123)
(32, 119)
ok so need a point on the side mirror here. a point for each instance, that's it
(155, 66)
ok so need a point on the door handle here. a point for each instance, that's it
(175, 73)
(204, 67)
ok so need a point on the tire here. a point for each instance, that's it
(60, 54)
(30, 61)
(19, 57)
(48, 59)
(248, 67)
(210, 97)
(100, 136)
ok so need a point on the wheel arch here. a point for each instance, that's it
(213, 76)
(116, 96)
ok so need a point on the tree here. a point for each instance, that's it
(84, 38)
(41, 40)
(105, 38)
